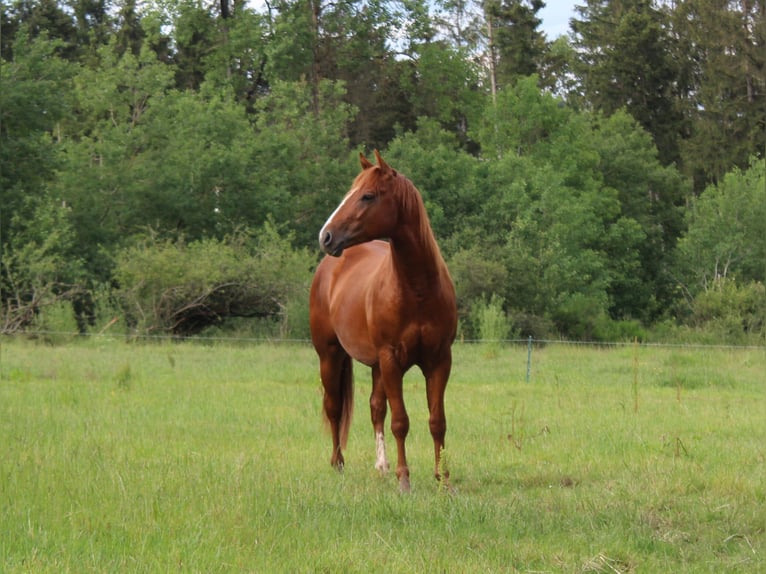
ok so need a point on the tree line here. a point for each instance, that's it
(167, 164)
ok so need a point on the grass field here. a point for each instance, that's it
(120, 457)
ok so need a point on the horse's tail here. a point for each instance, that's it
(347, 399)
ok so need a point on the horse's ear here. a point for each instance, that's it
(364, 161)
(384, 167)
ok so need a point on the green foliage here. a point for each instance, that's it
(37, 269)
(444, 88)
(626, 60)
(574, 233)
(33, 100)
(721, 45)
(477, 275)
(731, 311)
(522, 120)
(236, 62)
(186, 119)
(181, 288)
(526, 325)
(490, 321)
(443, 174)
(726, 233)
(302, 163)
(518, 45)
(651, 197)
(581, 316)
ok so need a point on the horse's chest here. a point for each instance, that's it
(411, 333)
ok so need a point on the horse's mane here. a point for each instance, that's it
(413, 206)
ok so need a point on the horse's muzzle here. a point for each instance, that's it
(328, 244)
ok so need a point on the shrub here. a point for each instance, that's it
(477, 276)
(37, 273)
(530, 325)
(731, 310)
(489, 319)
(579, 316)
(611, 330)
(179, 288)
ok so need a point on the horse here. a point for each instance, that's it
(382, 295)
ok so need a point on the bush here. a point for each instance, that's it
(38, 275)
(489, 320)
(477, 277)
(730, 310)
(579, 316)
(611, 330)
(530, 325)
(585, 318)
(179, 288)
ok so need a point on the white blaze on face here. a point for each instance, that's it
(381, 463)
(332, 215)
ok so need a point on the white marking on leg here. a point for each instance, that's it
(381, 463)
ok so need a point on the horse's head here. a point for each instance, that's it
(369, 211)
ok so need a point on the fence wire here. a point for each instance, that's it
(133, 337)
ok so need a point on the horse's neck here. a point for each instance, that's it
(416, 257)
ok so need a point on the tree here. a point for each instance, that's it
(129, 32)
(626, 60)
(314, 41)
(36, 87)
(516, 45)
(584, 211)
(302, 164)
(443, 85)
(100, 143)
(432, 159)
(461, 24)
(41, 17)
(195, 36)
(653, 196)
(724, 43)
(726, 235)
(238, 58)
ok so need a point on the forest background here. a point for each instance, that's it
(165, 165)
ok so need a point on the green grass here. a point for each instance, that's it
(183, 457)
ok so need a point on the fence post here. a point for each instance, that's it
(635, 374)
(529, 357)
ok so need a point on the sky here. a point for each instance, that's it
(556, 15)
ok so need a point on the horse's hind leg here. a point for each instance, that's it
(335, 369)
(378, 410)
(436, 384)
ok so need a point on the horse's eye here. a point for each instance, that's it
(367, 197)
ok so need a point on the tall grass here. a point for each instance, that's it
(191, 458)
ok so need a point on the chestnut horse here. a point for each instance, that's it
(388, 304)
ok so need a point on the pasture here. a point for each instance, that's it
(165, 457)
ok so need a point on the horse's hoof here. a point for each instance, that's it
(445, 486)
(338, 463)
(404, 485)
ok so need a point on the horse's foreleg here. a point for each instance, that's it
(378, 410)
(436, 383)
(391, 375)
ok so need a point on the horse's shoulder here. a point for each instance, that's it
(365, 254)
